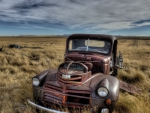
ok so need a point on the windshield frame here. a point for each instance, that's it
(88, 38)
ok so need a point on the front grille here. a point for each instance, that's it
(78, 99)
(52, 94)
(69, 98)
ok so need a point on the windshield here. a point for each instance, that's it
(93, 45)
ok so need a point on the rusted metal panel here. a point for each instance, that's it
(100, 63)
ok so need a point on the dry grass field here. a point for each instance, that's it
(18, 66)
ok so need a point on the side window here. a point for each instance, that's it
(70, 45)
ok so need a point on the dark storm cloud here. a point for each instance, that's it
(141, 21)
(77, 14)
(26, 6)
(75, 1)
(33, 5)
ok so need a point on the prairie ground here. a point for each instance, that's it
(18, 66)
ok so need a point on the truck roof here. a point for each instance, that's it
(101, 36)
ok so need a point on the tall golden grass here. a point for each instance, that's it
(18, 66)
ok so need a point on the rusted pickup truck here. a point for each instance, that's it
(86, 79)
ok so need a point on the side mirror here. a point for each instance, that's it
(119, 61)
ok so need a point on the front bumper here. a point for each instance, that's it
(104, 110)
(44, 108)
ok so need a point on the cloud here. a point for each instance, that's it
(141, 21)
(76, 14)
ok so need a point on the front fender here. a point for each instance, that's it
(112, 85)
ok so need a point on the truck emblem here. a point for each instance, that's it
(66, 76)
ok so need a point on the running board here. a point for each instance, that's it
(129, 87)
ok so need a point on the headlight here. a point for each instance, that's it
(36, 81)
(102, 92)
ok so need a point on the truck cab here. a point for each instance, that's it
(98, 52)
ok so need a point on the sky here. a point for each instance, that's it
(59, 17)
